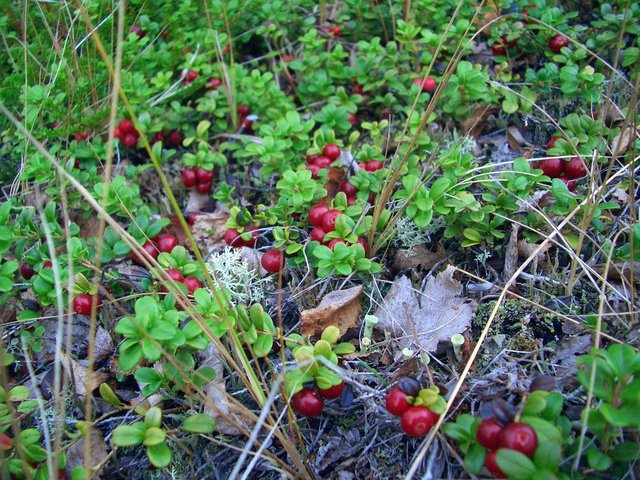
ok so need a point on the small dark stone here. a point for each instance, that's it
(409, 385)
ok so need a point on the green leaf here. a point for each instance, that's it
(199, 423)
(153, 417)
(154, 436)
(515, 464)
(262, 346)
(159, 455)
(19, 393)
(108, 395)
(127, 436)
(474, 459)
(623, 416)
(598, 460)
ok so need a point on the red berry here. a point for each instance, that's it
(175, 275)
(311, 159)
(498, 49)
(396, 402)
(125, 126)
(331, 151)
(149, 247)
(175, 138)
(373, 165)
(520, 437)
(47, 264)
(191, 76)
(231, 238)
(332, 244)
(488, 434)
(191, 219)
(189, 177)
(491, 465)
(27, 271)
(332, 392)
(158, 137)
(317, 234)
(429, 84)
(552, 142)
(329, 220)
(558, 42)
(353, 119)
(364, 244)
(552, 167)
(322, 162)
(167, 242)
(137, 29)
(348, 189)
(247, 125)
(307, 402)
(417, 421)
(287, 58)
(314, 169)
(336, 31)
(192, 284)
(82, 304)
(316, 213)
(243, 110)
(417, 81)
(117, 133)
(130, 140)
(575, 168)
(571, 184)
(358, 89)
(507, 42)
(214, 83)
(204, 175)
(351, 201)
(204, 187)
(272, 260)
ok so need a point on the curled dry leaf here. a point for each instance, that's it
(516, 139)
(623, 140)
(83, 380)
(422, 320)
(340, 308)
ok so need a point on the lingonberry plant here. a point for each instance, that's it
(186, 190)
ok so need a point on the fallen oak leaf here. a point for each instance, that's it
(340, 308)
(422, 320)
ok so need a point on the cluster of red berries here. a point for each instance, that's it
(81, 136)
(126, 133)
(415, 420)
(567, 171)
(272, 260)
(200, 178)
(243, 112)
(309, 401)
(166, 242)
(323, 220)
(315, 163)
(429, 84)
(173, 138)
(514, 436)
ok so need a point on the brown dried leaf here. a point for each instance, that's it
(423, 320)
(474, 125)
(340, 308)
(622, 141)
(516, 139)
(208, 230)
(422, 259)
(217, 404)
(83, 379)
(98, 452)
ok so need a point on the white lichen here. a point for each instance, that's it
(234, 273)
